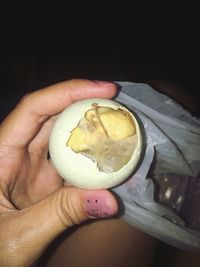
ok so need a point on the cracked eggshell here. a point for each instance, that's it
(77, 169)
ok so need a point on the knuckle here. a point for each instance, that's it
(68, 208)
(26, 102)
(26, 98)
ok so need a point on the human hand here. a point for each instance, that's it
(35, 205)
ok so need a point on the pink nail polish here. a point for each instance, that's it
(99, 207)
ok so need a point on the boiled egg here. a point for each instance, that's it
(95, 143)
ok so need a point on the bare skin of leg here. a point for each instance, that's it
(104, 243)
(181, 258)
(114, 242)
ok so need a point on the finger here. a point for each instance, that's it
(34, 228)
(24, 122)
(39, 145)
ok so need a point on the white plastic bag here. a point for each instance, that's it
(172, 151)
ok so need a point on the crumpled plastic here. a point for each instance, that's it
(155, 196)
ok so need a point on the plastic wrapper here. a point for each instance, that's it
(162, 198)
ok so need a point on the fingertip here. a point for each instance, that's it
(104, 83)
(82, 88)
(100, 204)
(109, 87)
(110, 84)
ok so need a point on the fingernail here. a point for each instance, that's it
(99, 207)
(104, 83)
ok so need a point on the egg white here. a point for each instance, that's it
(77, 169)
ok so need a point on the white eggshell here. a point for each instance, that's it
(77, 169)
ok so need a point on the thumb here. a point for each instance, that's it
(31, 230)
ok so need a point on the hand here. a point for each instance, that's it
(35, 206)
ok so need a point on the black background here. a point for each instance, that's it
(51, 46)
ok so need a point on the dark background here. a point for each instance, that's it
(59, 46)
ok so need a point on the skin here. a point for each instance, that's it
(35, 205)
(102, 243)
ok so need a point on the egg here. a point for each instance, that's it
(95, 143)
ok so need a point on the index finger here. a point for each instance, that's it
(23, 123)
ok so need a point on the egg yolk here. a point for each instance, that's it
(105, 135)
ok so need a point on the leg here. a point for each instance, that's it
(104, 243)
(185, 259)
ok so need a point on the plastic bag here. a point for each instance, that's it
(155, 197)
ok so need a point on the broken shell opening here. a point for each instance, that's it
(105, 135)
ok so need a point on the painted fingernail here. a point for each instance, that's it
(104, 83)
(99, 207)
